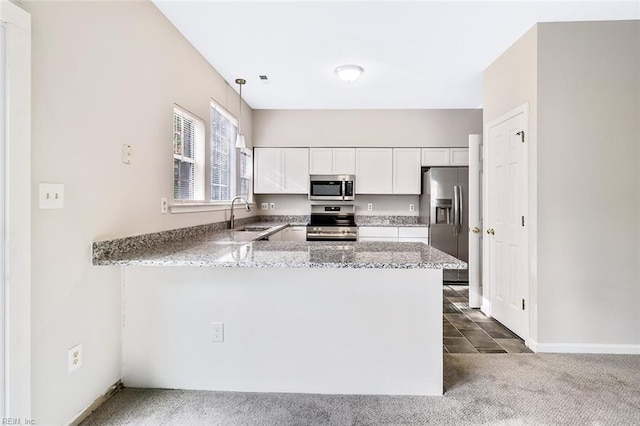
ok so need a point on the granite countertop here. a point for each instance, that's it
(382, 221)
(227, 248)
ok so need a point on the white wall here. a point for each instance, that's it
(104, 74)
(385, 128)
(588, 183)
(509, 82)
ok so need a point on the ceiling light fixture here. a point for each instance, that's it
(240, 142)
(349, 73)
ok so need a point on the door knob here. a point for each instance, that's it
(491, 231)
(475, 230)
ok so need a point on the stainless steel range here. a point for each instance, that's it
(334, 222)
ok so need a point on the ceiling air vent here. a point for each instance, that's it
(263, 77)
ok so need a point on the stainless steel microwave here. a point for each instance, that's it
(332, 187)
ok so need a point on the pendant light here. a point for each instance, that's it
(240, 142)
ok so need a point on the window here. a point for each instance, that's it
(231, 169)
(228, 171)
(188, 156)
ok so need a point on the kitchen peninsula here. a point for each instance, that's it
(224, 310)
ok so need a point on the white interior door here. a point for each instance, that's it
(475, 221)
(506, 208)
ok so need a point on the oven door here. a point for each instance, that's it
(326, 190)
(332, 233)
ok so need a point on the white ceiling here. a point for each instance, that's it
(416, 54)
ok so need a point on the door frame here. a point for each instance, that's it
(17, 213)
(486, 192)
(475, 221)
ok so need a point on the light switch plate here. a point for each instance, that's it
(51, 196)
(127, 153)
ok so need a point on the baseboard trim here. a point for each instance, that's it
(113, 389)
(485, 308)
(583, 348)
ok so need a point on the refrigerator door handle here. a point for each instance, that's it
(456, 210)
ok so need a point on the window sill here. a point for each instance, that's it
(196, 207)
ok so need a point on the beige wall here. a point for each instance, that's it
(104, 74)
(582, 82)
(588, 182)
(509, 82)
(392, 128)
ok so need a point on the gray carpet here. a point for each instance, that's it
(506, 389)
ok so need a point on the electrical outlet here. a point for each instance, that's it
(217, 329)
(164, 206)
(74, 358)
(272, 206)
(51, 196)
(412, 207)
(369, 206)
(264, 206)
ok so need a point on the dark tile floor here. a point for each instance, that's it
(467, 330)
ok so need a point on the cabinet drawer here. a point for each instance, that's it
(413, 232)
(378, 231)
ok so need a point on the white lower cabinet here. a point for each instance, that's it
(290, 233)
(415, 234)
(294, 233)
(378, 233)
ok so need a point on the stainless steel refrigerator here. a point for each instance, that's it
(444, 204)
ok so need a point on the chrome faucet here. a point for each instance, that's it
(246, 206)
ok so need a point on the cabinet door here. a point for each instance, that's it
(276, 237)
(435, 156)
(294, 233)
(295, 170)
(320, 161)
(413, 232)
(344, 161)
(374, 170)
(268, 170)
(459, 157)
(406, 171)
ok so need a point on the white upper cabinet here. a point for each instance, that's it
(267, 170)
(406, 171)
(295, 173)
(435, 156)
(374, 170)
(445, 157)
(459, 156)
(344, 161)
(281, 170)
(320, 161)
(332, 161)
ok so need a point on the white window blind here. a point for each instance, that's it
(223, 154)
(188, 135)
(246, 172)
